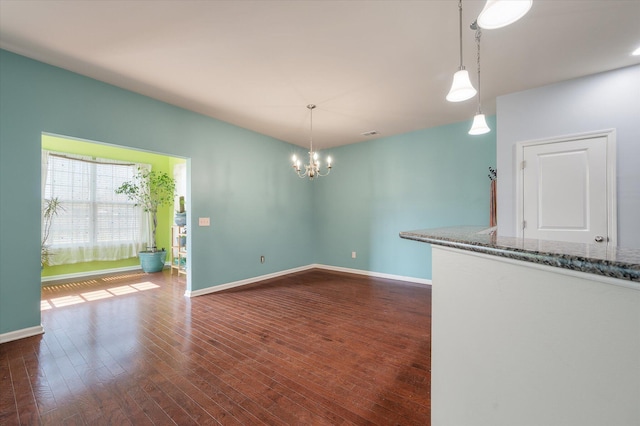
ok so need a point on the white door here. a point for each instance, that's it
(565, 190)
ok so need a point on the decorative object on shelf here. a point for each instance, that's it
(150, 190)
(181, 214)
(479, 126)
(50, 209)
(461, 88)
(500, 13)
(311, 170)
(493, 209)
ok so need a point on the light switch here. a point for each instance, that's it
(204, 221)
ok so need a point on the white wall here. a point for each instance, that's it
(519, 344)
(596, 102)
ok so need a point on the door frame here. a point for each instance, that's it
(610, 139)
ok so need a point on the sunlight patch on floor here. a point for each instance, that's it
(96, 295)
(66, 301)
(145, 286)
(89, 296)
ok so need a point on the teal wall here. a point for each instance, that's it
(424, 179)
(241, 180)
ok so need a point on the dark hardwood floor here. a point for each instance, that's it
(312, 348)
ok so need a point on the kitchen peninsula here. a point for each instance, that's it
(532, 332)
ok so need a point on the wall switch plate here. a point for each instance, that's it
(353, 254)
(204, 221)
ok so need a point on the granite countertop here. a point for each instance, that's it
(614, 262)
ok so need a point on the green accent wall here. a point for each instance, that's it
(241, 180)
(158, 162)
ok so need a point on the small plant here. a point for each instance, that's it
(493, 173)
(50, 209)
(150, 190)
(181, 205)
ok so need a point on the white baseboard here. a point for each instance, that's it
(89, 274)
(247, 281)
(422, 281)
(254, 280)
(21, 334)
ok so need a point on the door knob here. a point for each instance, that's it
(599, 238)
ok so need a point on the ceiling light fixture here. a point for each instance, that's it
(311, 170)
(479, 126)
(461, 88)
(500, 13)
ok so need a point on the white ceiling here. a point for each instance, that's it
(367, 65)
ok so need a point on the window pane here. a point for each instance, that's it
(92, 214)
(117, 222)
(72, 225)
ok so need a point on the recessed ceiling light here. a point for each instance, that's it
(370, 133)
(636, 52)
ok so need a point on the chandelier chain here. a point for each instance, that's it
(311, 107)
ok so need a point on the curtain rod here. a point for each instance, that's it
(90, 161)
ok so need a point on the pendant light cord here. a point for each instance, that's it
(460, 27)
(478, 35)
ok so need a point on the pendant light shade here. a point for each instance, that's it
(500, 13)
(479, 126)
(461, 88)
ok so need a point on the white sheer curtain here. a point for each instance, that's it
(95, 223)
(180, 177)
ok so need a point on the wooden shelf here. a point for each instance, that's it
(179, 249)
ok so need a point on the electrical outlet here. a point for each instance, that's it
(261, 259)
(204, 221)
(353, 254)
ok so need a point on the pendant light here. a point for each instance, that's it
(311, 170)
(479, 126)
(461, 88)
(500, 13)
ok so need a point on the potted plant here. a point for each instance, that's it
(181, 214)
(150, 190)
(50, 210)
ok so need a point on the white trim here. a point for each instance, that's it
(422, 281)
(610, 136)
(554, 269)
(216, 288)
(21, 334)
(88, 274)
(254, 280)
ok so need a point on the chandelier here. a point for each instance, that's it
(311, 170)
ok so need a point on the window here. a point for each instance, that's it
(95, 223)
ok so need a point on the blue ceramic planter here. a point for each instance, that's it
(181, 219)
(152, 261)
